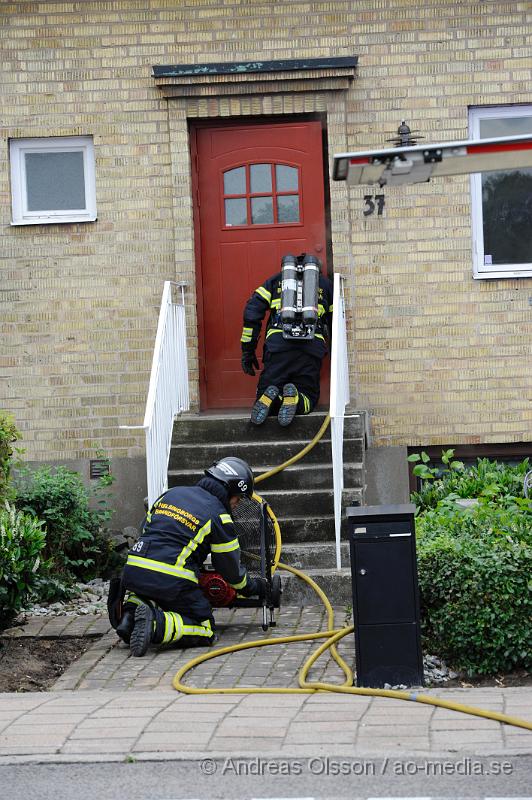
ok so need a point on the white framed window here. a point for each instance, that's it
(52, 180)
(501, 200)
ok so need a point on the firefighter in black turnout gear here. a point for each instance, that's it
(289, 383)
(164, 604)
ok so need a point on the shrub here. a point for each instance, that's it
(8, 436)
(486, 479)
(76, 544)
(475, 567)
(22, 540)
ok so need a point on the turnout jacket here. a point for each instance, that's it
(183, 526)
(267, 297)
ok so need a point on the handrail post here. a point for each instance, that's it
(168, 391)
(339, 399)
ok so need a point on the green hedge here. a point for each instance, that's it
(475, 576)
(76, 543)
(22, 540)
(9, 434)
(475, 567)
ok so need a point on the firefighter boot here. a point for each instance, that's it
(288, 408)
(261, 409)
(127, 622)
(143, 631)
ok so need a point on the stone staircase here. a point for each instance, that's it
(301, 496)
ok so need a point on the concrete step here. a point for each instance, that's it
(236, 427)
(307, 515)
(336, 584)
(300, 529)
(300, 476)
(314, 555)
(261, 456)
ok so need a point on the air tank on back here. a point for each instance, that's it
(311, 278)
(288, 289)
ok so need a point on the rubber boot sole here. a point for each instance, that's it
(142, 633)
(261, 409)
(288, 408)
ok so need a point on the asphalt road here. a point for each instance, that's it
(248, 778)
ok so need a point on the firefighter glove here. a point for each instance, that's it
(249, 360)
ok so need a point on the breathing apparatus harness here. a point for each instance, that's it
(300, 277)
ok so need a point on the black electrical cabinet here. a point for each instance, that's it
(385, 595)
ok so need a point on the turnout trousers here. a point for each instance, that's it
(292, 366)
(184, 620)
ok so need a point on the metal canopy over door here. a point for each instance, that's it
(259, 195)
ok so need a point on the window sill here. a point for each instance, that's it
(52, 221)
(501, 275)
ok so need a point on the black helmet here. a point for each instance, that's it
(235, 475)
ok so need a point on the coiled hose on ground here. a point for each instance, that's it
(332, 636)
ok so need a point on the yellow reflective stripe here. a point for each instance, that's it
(265, 400)
(273, 330)
(306, 404)
(241, 584)
(226, 519)
(227, 547)
(193, 544)
(264, 293)
(173, 628)
(132, 598)
(247, 335)
(198, 630)
(160, 566)
(321, 310)
(319, 336)
(276, 303)
(290, 401)
(331, 308)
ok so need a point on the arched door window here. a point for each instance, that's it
(262, 194)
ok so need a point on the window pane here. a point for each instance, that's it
(288, 208)
(507, 201)
(55, 181)
(260, 178)
(286, 178)
(236, 212)
(262, 210)
(235, 181)
(505, 126)
(507, 217)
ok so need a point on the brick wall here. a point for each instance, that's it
(436, 356)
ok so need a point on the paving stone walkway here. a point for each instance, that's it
(109, 706)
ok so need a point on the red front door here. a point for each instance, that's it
(259, 195)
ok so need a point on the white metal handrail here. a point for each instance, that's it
(339, 399)
(168, 392)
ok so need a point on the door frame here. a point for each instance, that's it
(194, 126)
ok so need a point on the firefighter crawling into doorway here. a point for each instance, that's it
(299, 299)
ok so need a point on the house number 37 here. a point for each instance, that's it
(373, 202)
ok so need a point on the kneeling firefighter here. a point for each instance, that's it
(299, 300)
(164, 603)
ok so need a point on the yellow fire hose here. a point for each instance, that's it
(332, 636)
